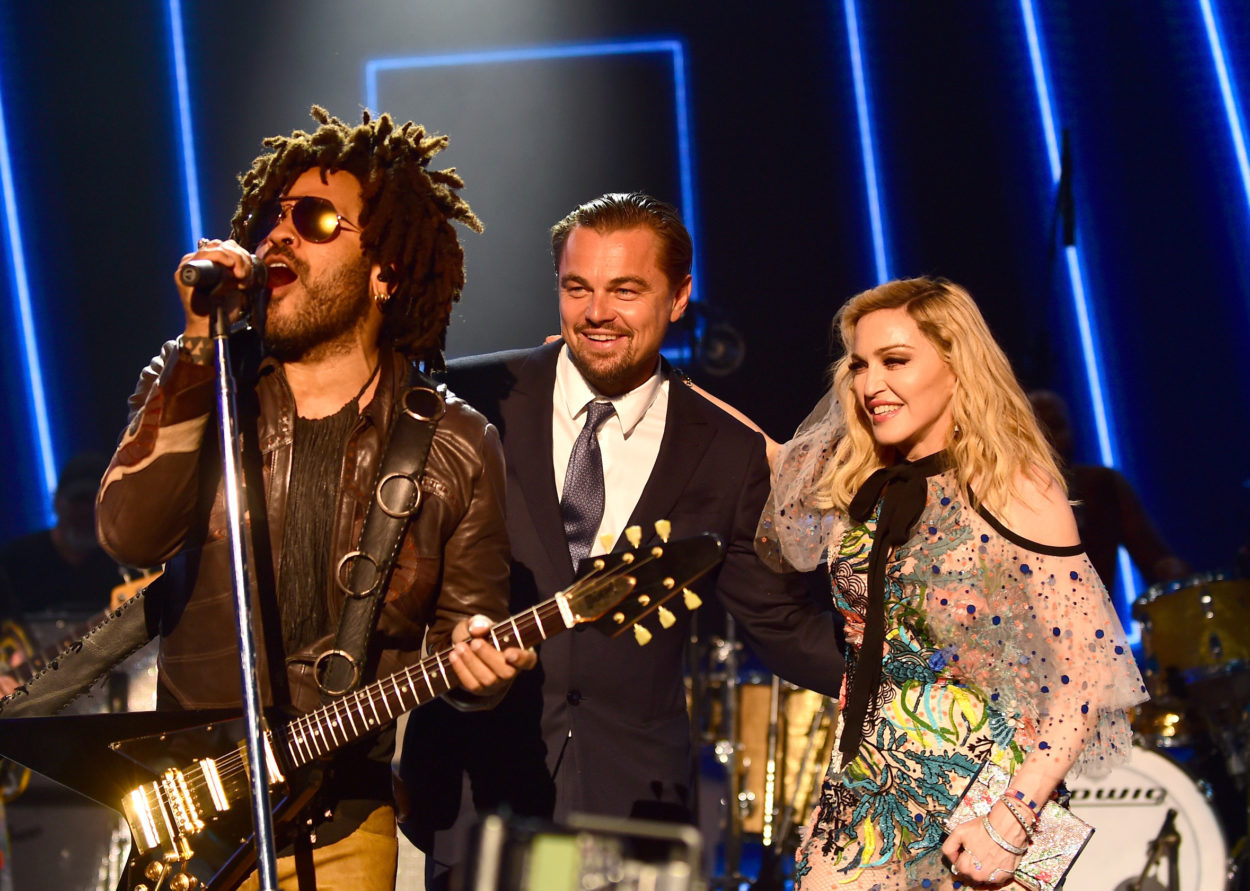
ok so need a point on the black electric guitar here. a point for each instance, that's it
(181, 778)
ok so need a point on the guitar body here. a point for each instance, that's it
(76, 751)
(182, 780)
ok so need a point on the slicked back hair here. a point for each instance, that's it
(405, 218)
(632, 210)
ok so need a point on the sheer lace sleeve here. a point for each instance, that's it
(793, 533)
(1032, 627)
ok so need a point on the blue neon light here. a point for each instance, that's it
(31, 367)
(1087, 327)
(186, 138)
(867, 146)
(1236, 124)
(681, 98)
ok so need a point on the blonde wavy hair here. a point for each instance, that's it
(998, 437)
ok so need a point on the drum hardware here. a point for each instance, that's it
(728, 751)
(1166, 844)
(816, 750)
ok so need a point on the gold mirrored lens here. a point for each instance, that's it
(315, 219)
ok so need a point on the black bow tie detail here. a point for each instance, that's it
(901, 490)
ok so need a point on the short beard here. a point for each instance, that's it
(334, 305)
(612, 377)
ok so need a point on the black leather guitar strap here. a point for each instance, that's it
(362, 574)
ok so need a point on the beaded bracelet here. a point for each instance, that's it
(1025, 800)
(999, 840)
(1026, 824)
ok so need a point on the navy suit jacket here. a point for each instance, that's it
(614, 727)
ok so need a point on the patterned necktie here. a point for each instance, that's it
(582, 502)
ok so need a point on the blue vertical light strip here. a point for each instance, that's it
(1223, 75)
(28, 342)
(186, 138)
(1087, 328)
(685, 162)
(867, 145)
(681, 99)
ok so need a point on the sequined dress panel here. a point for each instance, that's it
(989, 637)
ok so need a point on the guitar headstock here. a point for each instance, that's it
(657, 574)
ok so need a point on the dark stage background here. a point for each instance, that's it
(779, 204)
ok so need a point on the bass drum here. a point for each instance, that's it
(1127, 808)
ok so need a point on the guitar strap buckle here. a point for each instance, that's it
(322, 670)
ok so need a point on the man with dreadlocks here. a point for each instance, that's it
(363, 267)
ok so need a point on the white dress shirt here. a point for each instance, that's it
(629, 441)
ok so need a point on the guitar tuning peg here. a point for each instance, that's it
(633, 534)
(691, 599)
(667, 619)
(606, 541)
(642, 635)
(664, 529)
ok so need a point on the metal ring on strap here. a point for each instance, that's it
(414, 498)
(338, 574)
(319, 674)
(423, 404)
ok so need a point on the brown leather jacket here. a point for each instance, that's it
(161, 501)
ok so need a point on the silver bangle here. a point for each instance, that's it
(999, 840)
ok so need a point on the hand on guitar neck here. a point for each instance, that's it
(9, 682)
(483, 670)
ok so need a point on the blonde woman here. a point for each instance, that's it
(976, 626)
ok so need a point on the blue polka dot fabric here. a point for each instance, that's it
(993, 641)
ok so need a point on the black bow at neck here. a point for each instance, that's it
(901, 489)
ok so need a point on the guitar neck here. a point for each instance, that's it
(36, 662)
(350, 717)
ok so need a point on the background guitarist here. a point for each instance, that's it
(62, 570)
(363, 267)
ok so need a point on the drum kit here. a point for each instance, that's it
(1174, 818)
(771, 742)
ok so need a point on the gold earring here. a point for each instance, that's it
(380, 299)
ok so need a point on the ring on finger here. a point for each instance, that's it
(954, 871)
(202, 242)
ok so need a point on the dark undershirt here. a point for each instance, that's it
(312, 500)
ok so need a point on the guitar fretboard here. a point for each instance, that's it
(352, 716)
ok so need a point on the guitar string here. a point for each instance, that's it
(234, 765)
(231, 766)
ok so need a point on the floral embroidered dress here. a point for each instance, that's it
(992, 643)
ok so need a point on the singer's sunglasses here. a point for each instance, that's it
(315, 219)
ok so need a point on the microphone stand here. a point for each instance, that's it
(231, 455)
(1166, 843)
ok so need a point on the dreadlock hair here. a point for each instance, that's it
(405, 220)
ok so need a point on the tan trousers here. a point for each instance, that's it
(364, 861)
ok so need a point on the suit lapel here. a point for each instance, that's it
(527, 412)
(687, 436)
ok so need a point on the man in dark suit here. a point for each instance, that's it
(602, 727)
